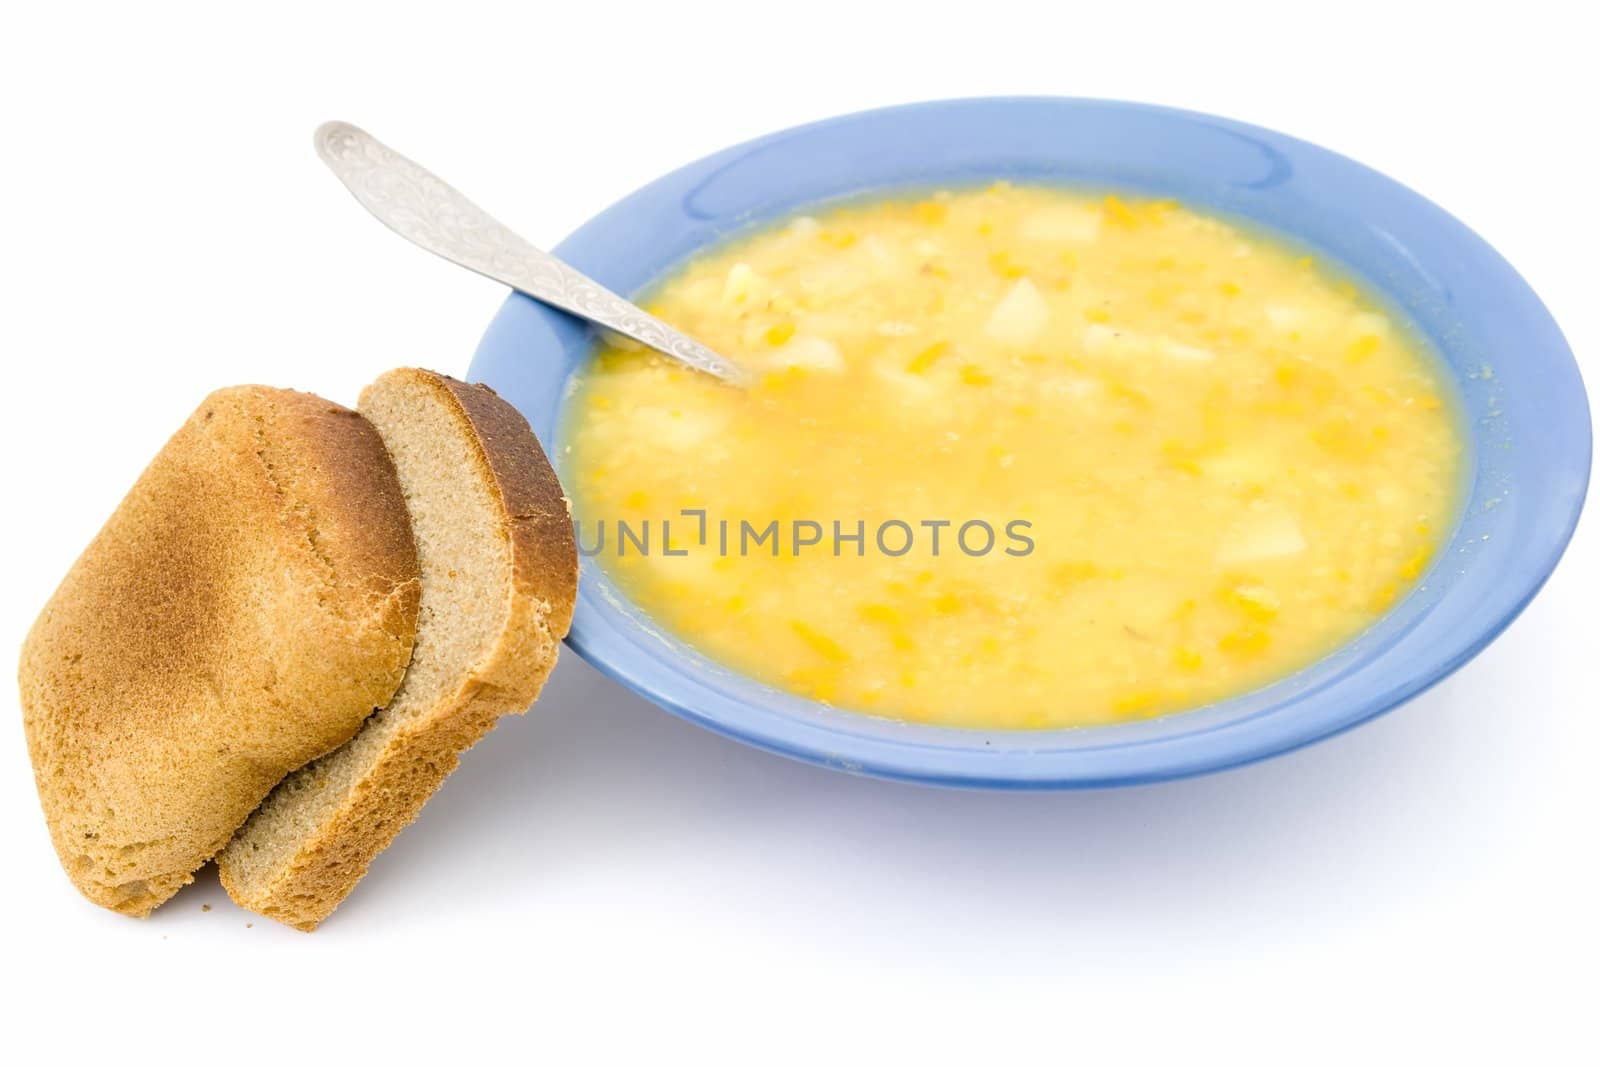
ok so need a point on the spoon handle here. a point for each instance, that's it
(420, 207)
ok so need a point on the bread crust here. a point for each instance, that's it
(247, 606)
(544, 551)
(509, 672)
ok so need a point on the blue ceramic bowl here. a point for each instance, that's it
(1520, 389)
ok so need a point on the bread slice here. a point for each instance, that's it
(244, 610)
(499, 577)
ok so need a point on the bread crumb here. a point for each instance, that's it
(205, 907)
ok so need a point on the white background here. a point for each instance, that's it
(602, 880)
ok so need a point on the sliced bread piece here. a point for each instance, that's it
(499, 577)
(243, 611)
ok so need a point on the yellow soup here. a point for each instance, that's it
(1016, 458)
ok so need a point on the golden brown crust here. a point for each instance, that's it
(506, 677)
(249, 603)
(544, 552)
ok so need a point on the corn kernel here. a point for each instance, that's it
(928, 357)
(1073, 573)
(881, 613)
(1244, 644)
(1137, 702)
(819, 642)
(1413, 567)
(780, 332)
(1128, 394)
(1119, 212)
(1341, 439)
(1180, 457)
(1001, 263)
(1257, 601)
(1362, 348)
(972, 374)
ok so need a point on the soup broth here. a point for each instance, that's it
(1203, 459)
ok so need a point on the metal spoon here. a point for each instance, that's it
(420, 207)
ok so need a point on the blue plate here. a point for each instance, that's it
(1522, 396)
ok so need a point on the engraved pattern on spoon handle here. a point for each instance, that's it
(423, 209)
